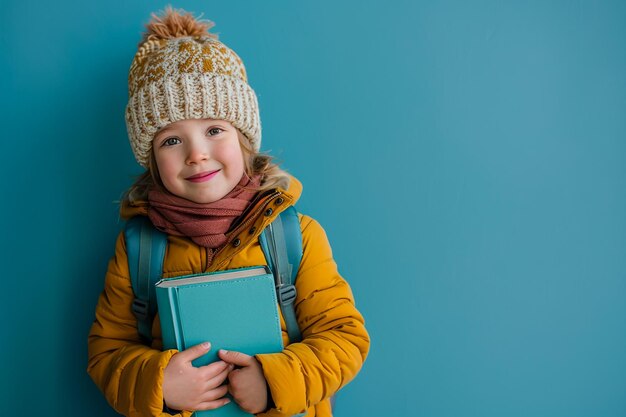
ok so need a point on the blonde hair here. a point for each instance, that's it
(255, 163)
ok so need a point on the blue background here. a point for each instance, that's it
(467, 159)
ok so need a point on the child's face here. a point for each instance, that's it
(199, 159)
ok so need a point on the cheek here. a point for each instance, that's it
(166, 166)
(232, 157)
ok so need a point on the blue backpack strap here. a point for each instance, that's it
(145, 247)
(281, 242)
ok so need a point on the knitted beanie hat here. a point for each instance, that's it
(181, 71)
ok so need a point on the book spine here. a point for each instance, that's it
(168, 316)
(177, 325)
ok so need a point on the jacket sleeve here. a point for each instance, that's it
(129, 373)
(335, 342)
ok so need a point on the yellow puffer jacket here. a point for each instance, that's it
(302, 378)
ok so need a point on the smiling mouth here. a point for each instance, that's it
(203, 176)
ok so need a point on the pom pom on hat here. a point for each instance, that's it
(176, 24)
(181, 71)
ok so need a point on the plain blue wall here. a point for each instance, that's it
(467, 159)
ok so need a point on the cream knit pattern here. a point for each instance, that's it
(187, 78)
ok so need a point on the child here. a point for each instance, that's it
(193, 123)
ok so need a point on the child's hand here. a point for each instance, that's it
(186, 387)
(246, 384)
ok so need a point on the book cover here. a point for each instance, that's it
(234, 310)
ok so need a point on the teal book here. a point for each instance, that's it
(234, 310)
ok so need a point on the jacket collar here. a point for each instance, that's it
(263, 210)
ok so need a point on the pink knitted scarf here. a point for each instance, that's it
(205, 224)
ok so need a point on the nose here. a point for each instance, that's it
(197, 154)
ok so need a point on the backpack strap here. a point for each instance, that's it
(145, 246)
(281, 242)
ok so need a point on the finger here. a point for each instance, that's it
(236, 358)
(214, 394)
(212, 369)
(233, 379)
(218, 379)
(212, 376)
(196, 351)
(234, 392)
(212, 405)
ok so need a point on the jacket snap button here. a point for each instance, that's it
(269, 212)
(279, 201)
(252, 230)
(236, 242)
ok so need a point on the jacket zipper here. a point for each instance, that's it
(242, 226)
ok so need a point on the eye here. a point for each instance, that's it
(214, 131)
(170, 141)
